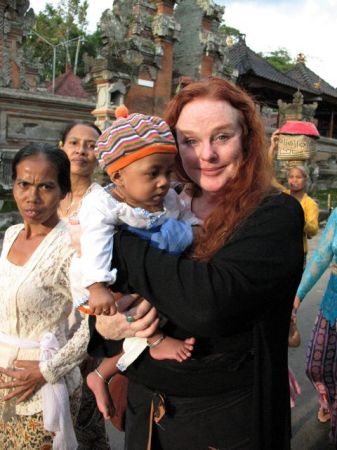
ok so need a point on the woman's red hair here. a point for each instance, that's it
(241, 195)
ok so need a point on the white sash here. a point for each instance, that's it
(55, 397)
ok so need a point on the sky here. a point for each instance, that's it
(299, 26)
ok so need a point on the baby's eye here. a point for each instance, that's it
(152, 174)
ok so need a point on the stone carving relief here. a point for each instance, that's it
(296, 110)
(15, 16)
(211, 9)
(165, 26)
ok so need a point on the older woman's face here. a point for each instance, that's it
(296, 180)
(79, 146)
(209, 140)
(36, 191)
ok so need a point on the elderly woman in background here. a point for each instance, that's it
(40, 378)
(298, 178)
(234, 292)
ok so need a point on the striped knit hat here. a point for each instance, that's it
(132, 138)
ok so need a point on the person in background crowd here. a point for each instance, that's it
(297, 181)
(40, 380)
(78, 142)
(322, 354)
(234, 293)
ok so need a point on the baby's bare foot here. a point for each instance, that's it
(100, 389)
(170, 348)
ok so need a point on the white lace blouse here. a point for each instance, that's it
(34, 299)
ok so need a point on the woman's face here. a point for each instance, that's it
(79, 146)
(209, 141)
(36, 191)
(296, 180)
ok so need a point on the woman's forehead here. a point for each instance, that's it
(37, 165)
(203, 112)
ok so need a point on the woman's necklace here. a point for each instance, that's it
(74, 204)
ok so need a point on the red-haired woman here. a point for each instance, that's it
(234, 292)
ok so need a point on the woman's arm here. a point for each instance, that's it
(202, 297)
(69, 356)
(320, 259)
(74, 350)
(311, 213)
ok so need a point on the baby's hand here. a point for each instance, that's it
(101, 300)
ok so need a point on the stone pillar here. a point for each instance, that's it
(15, 21)
(200, 50)
(165, 31)
(110, 94)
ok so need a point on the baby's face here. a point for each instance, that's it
(145, 182)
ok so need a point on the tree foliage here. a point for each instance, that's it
(234, 33)
(63, 25)
(280, 59)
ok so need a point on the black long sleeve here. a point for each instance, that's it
(261, 263)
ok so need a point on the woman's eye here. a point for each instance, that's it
(91, 146)
(190, 141)
(22, 184)
(222, 137)
(46, 187)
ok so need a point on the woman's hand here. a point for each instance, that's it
(135, 317)
(26, 380)
(297, 304)
(273, 144)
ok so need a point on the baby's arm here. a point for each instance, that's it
(97, 218)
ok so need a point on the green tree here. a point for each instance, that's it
(227, 31)
(280, 59)
(63, 25)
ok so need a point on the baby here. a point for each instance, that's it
(137, 152)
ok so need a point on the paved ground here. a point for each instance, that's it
(308, 433)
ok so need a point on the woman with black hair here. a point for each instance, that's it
(40, 381)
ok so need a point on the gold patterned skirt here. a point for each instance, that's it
(27, 432)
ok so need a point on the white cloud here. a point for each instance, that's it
(305, 26)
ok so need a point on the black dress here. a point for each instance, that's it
(238, 308)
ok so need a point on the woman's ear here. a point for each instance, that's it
(116, 178)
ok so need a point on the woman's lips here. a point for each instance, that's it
(31, 213)
(212, 171)
(80, 161)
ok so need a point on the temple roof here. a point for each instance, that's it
(306, 77)
(68, 84)
(246, 60)
(300, 77)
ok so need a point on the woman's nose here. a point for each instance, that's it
(82, 148)
(33, 195)
(207, 151)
